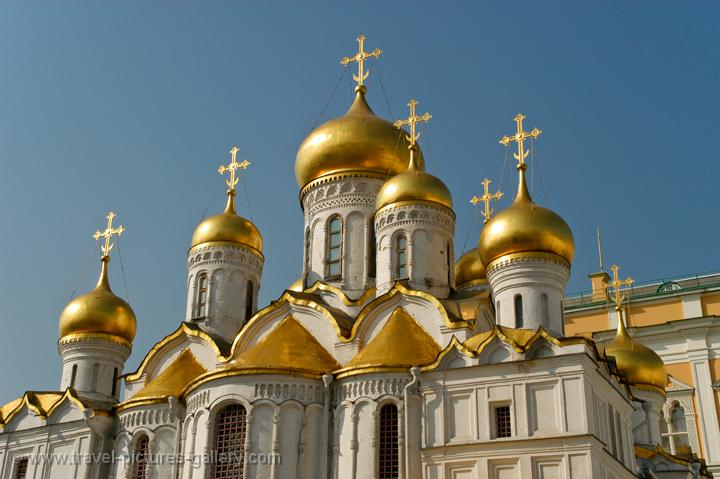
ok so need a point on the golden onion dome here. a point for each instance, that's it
(228, 227)
(642, 366)
(359, 141)
(413, 185)
(470, 270)
(99, 312)
(525, 227)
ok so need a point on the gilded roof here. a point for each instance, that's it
(400, 344)
(42, 403)
(642, 366)
(99, 311)
(228, 227)
(172, 380)
(359, 141)
(288, 347)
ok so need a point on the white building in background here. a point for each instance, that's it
(385, 360)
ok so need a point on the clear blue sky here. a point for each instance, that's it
(131, 106)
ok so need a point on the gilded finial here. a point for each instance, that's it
(617, 285)
(412, 121)
(232, 168)
(519, 137)
(107, 234)
(486, 198)
(360, 58)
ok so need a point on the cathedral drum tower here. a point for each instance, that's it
(225, 263)
(96, 334)
(527, 250)
(340, 168)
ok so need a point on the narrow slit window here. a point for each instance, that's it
(114, 383)
(73, 376)
(401, 257)
(519, 320)
(201, 296)
(334, 248)
(249, 297)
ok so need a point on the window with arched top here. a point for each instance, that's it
(95, 377)
(674, 431)
(400, 257)
(201, 296)
(308, 250)
(519, 320)
(73, 375)
(141, 456)
(114, 383)
(372, 249)
(230, 429)
(388, 444)
(249, 298)
(545, 307)
(333, 253)
(448, 262)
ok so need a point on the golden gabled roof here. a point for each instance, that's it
(172, 380)
(288, 347)
(647, 453)
(519, 339)
(400, 344)
(43, 403)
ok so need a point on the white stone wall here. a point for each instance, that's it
(95, 361)
(159, 422)
(351, 198)
(429, 230)
(229, 269)
(560, 414)
(541, 284)
(355, 423)
(285, 423)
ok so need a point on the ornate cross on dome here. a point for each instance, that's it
(233, 167)
(107, 234)
(360, 57)
(486, 198)
(616, 284)
(412, 121)
(520, 138)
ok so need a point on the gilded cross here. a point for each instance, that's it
(616, 284)
(233, 167)
(107, 234)
(360, 58)
(412, 121)
(520, 138)
(486, 198)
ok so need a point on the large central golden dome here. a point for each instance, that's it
(99, 312)
(525, 227)
(358, 141)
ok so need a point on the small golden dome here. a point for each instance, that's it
(525, 227)
(641, 364)
(469, 269)
(358, 141)
(99, 312)
(413, 185)
(228, 227)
